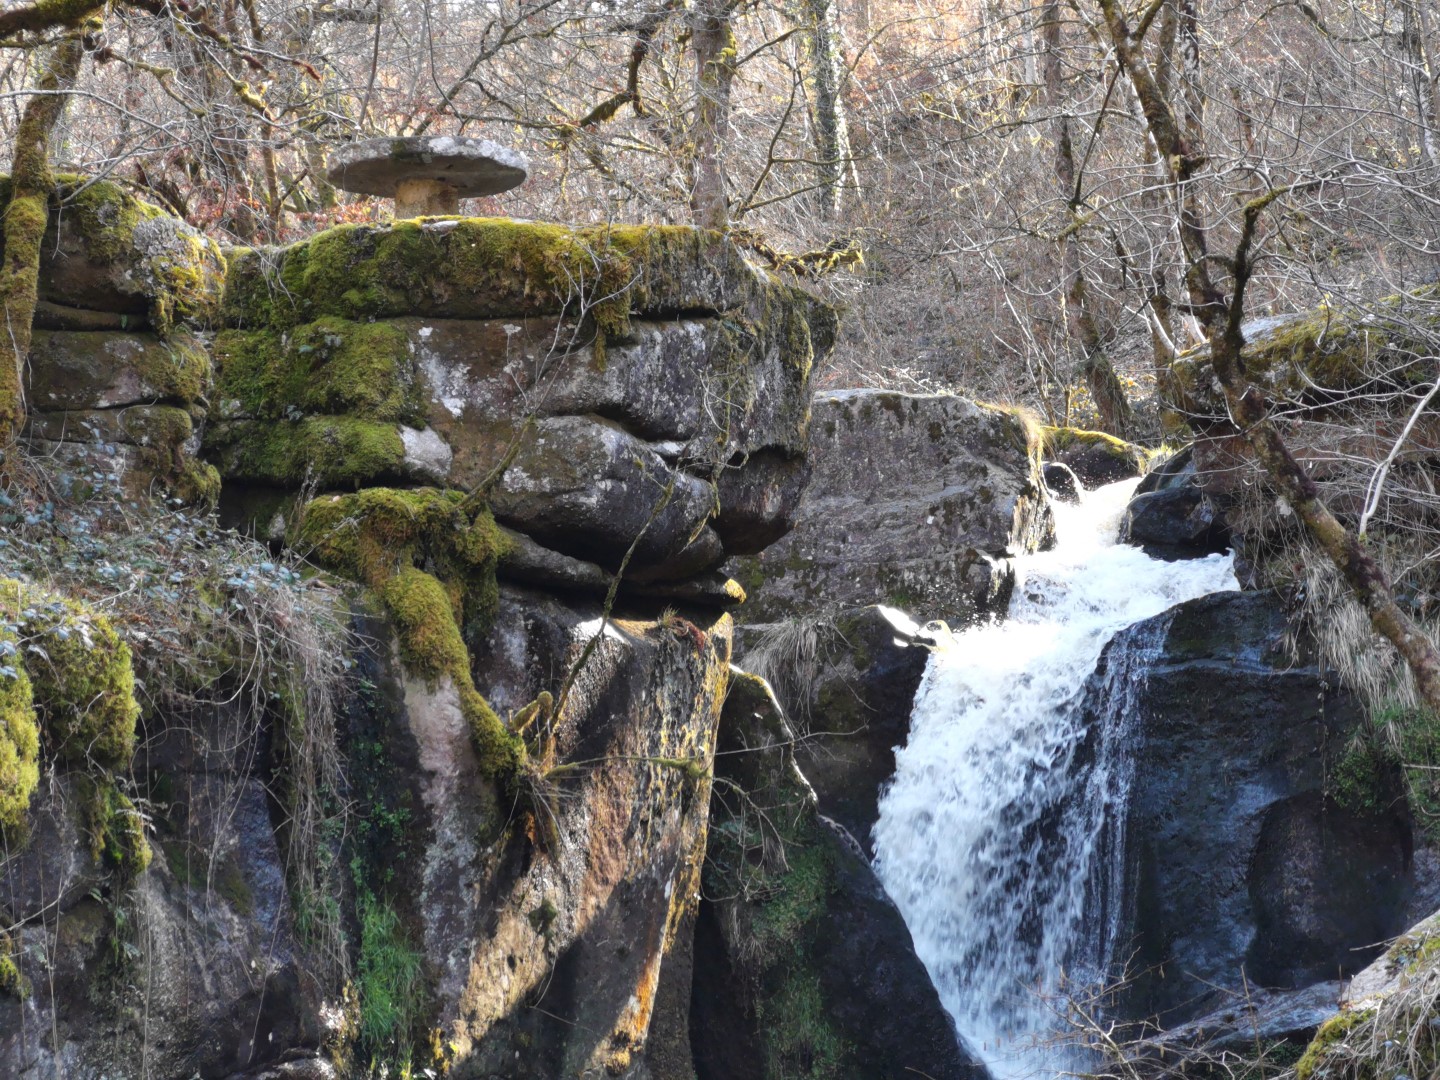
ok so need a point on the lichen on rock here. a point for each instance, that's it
(110, 251)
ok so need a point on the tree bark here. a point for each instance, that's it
(1106, 390)
(713, 41)
(831, 132)
(26, 217)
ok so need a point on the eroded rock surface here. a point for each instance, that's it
(1238, 856)
(916, 501)
(548, 914)
(651, 382)
(804, 967)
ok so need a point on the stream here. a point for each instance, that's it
(1000, 837)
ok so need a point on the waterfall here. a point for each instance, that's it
(1000, 836)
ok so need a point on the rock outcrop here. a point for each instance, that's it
(643, 386)
(1240, 856)
(548, 914)
(916, 501)
(469, 834)
(847, 684)
(804, 968)
(117, 380)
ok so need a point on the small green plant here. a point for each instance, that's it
(390, 985)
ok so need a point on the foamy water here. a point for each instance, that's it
(999, 836)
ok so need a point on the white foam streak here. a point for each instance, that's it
(990, 834)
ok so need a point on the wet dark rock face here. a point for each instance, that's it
(1238, 859)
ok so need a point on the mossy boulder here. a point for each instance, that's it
(1096, 457)
(1318, 358)
(618, 363)
(106, 250)
(482, 268)
(81, 675)
(107, 369)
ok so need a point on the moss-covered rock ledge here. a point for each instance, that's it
(1318, 358)
(118, 378)
(641, 381)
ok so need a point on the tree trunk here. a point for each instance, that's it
(830, 131)
(713, 41)
(26, 217)
(1248, 407)
(1106, 390)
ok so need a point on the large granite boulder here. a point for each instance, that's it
(640, 383)
(110, 261)
(1241, 865)
(915, 501)
(803, 966)
(1171, 515)
(547, 916)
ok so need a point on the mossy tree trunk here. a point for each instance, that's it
(1221, 313)
(32, 184)
(829, 129)
(713, 42)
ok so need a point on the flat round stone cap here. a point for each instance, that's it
(473, 167)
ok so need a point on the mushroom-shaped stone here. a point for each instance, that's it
(427, 174)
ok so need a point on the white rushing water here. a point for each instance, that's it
(997, 836)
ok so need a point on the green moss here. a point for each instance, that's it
(381, 537)
(793, 898)
(431, 647)
(331, 451)
(1363, 780)
(230, 883)
(330, 366)
(1058, 441)
(801, 1039)
(1332, 1034)
(19, 736)
(370, 535)
(485, 268)
(81, 675)
(180, 371)
(117, 831)
(13, 982)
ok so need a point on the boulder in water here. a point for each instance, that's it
(1240, 866)
(1172, 516)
